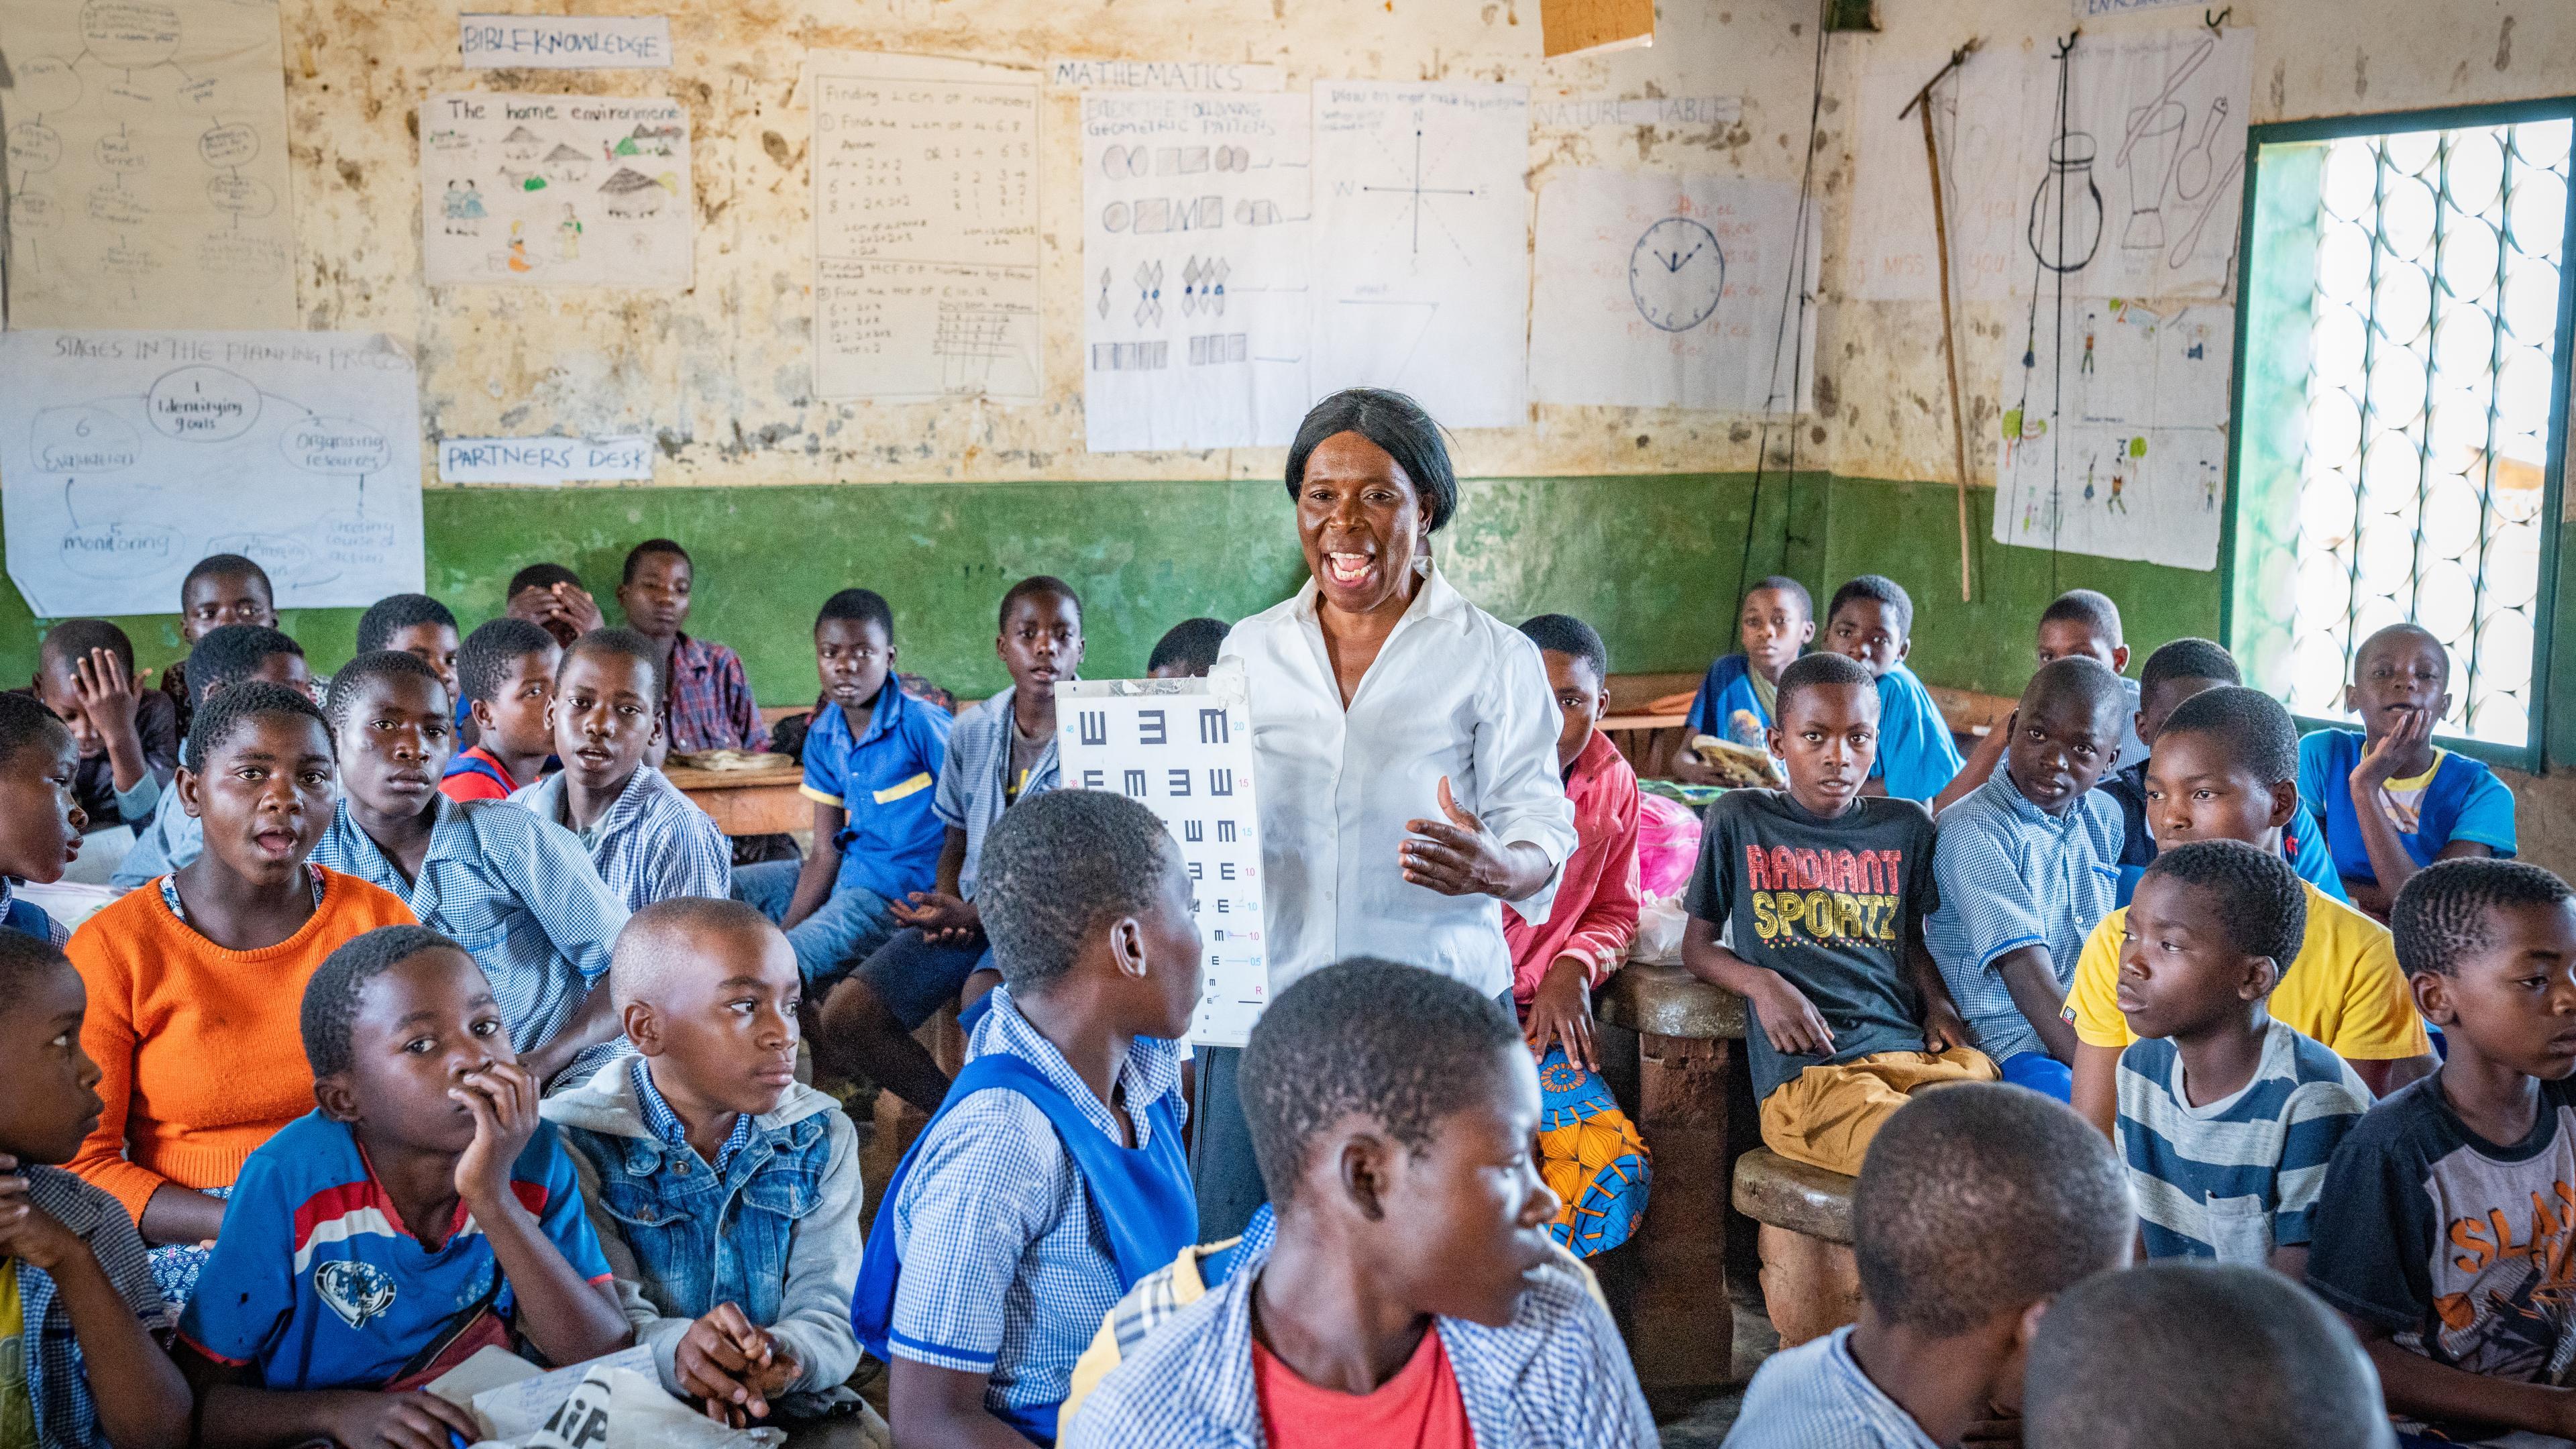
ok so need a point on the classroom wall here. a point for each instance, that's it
(1637, 518)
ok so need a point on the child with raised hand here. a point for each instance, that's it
(1737, 700)
(128, 735)
(2225, 767)
(421, 1213)
(1823, 891)
(1187, 650)
(2026, 867)
(725, 1195)
(230, 655)
(506, 669)
(999, 753)
(519, 888)
(645, 838)
(1871, 623)
(2443, 1228)
(40, 821)
(2391, 801)
(552, 597)
(2172, 674)
(413, 624)
(872, 761)
(2206, 1358)
(220, 590)
(82, 1364)
(1557, 964)
(1412, 1295)
(707, 701)
(1979, 1206)
(193, 979)
(2227, 1117)
(1054, 1176)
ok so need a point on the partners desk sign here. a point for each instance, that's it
(1183, 748)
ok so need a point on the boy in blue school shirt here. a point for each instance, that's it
(1736, 701)
(872, 762)
(1054, 1176)
(2027, 866)
(2392, 802)
(1872, 622)
(1411, 1282)
(518, 891)
(2174, 673)
(40, 822)
(1978, 1205)
(424, 1212)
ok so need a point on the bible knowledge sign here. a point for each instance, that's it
(1183, 748)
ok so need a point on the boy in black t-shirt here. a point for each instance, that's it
(1822, 893)
(2447, 1228)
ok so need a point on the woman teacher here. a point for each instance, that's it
(1406, 747)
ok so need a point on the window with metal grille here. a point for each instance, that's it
(2401, 409)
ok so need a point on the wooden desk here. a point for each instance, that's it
(1648, 740)
(748, 802)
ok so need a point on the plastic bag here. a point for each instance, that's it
(1667, 844)
(1660, 920)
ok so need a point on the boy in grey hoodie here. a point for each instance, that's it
(726, 1195)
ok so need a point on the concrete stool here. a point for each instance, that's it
(1681, 1325)
(1810, 1282)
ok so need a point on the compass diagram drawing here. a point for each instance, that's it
(1676, 274)
(1417, 196)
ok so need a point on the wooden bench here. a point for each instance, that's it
(1676, 1313)
(1810, 1283)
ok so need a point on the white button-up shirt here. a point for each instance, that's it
(1454, 692)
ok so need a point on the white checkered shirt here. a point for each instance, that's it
(654, 844)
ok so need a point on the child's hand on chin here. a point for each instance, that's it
(503, 1099)
(400, 1421)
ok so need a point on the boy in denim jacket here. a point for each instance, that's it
(726, 1195)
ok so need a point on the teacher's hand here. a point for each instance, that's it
(1460, 857)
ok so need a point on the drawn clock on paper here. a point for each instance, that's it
(1676, 274)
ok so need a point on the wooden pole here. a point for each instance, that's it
(1949, 331)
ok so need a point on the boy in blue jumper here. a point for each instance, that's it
(1054, 1177)
(2392, 802)
(2027, 866)
(1737, 699)
(1411, 1282)
(726, 1195)
(1872, 623)
(81, 1363)
(872, 762)
(425, 1211)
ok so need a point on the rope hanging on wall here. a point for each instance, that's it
(1794, 303)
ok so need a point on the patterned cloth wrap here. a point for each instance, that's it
(1592, 1157)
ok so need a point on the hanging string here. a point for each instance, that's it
(2058, 153)
(1798, 293)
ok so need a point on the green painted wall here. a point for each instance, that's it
(1652, 561)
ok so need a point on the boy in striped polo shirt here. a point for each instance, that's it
(2227, 1117)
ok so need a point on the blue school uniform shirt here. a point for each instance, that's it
(2458, 799)
(28, 918)
(315, 1283)
(2012, 875)
(1815, 1396)
(1728, 706)
(886, 782)
(1916, 756)
(975, 785)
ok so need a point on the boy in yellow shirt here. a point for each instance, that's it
(2226, 767)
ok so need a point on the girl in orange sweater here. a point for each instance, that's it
(195, 979)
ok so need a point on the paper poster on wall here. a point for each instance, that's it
(925, 181)
(1663, 291)
(125, 457)
(146, 164)
(1195, 212)
(2138, 196)
(1183, 748)
(554, 191)
(2115, 435)
(1421, 245)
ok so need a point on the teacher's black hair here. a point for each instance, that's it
(1395, 423)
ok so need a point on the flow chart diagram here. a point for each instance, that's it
(146, 164)
(126, 456)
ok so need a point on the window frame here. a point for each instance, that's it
(2531, 756)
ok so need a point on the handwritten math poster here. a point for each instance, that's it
(1183, 747)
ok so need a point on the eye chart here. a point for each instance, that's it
(1183, 747)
